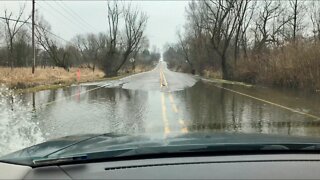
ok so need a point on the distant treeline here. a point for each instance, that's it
(269, 41)
(111, 51)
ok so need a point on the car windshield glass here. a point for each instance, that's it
(85, 77)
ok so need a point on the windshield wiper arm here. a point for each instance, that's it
(46, 161)
(215, 148)
(79, 158)
(78, 142)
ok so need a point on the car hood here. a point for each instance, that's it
(78, 144)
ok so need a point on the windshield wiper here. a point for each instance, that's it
(78, 142)
(170, 151)
(79, 158)
(60, 160)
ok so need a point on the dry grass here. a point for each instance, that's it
(212, 73)
(137, 69)
(23, 78)
(140, 69)
(294, 66)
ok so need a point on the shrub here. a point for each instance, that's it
(295, 65)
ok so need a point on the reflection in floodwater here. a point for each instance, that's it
(99, 111)
(36, 117)
(212, 108)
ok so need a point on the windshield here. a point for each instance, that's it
(83, 77)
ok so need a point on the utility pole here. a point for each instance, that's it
(33, 44)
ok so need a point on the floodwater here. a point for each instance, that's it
(31, 118)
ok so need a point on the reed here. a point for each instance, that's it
(23, 78)
(295, 65)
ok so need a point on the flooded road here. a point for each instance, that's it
(159, 101)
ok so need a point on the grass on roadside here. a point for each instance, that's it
(22, 80)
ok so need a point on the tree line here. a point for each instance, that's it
(110, 51)
(269, 41)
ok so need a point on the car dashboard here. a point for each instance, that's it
(279, 166)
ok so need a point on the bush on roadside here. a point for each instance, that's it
(212, 73)
(295, 65)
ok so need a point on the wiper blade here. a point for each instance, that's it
(78, 142)
(160, 151)
(79, 158)
(50, 161)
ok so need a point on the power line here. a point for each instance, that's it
(54, 34)
(74, 14)
(86, 22)
(70, 14)
(10, 19)
(39, 5)
(59, 12)
(29, 23)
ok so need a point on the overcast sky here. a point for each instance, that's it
(69, 18)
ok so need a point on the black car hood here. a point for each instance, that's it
(104, 142)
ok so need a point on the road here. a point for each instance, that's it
(160, 103)
(158, 79)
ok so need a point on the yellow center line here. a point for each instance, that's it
(161, 78)
(164, 79)
(164, 116)
(184, 129)
(272, 103)
(181, 122)
(163, 82)
(174, 107)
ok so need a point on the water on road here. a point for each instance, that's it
(156, 102)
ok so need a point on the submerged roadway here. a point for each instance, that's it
(159, 102)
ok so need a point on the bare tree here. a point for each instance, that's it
(298, 11)
(185, 46)
(294, 5)
(13, 26)
(58, 55)
(114, 13)
(269, 24)
(196, 39)
(222, 20)
(89, 47)
(135, 24)
(315, 19)
(244, 20)
(247, 22)
(22, 48)
(80, 42)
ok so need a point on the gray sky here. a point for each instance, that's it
(165, 17)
